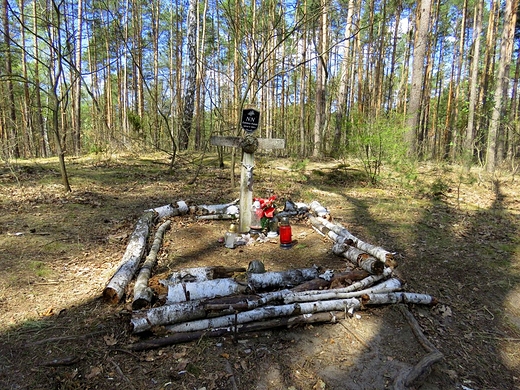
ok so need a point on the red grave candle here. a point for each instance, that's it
(285, 233)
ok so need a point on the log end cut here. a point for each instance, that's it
(111, 296)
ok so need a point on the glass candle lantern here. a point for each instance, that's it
(285, 232)
(256, 215)
(231, 235)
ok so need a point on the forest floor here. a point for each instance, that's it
(455, 234)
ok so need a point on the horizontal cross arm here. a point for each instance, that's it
(263, 143)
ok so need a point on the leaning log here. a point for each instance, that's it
(281, 279)
(115, 288)
(359, 258)
(143, 294)
(344, 247)
(376, 251)
(319, 210)
(185, 337)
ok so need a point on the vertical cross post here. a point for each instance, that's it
(249, 145)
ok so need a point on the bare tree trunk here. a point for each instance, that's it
(76, 96)
(11, 105)
(343, 85)
(506, 49)
(469, 140)
(416, 91)
(191, 78)
(44, 140)
(321, 80)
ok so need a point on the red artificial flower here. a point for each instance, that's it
(267, 208)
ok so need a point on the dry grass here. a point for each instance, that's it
(456, 235)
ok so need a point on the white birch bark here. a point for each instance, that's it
(376, 251)
(318, 209)
(364, 283)
(203, 290)
(398, 297)
(204, 209)
(168, 314)
(191, 275)
(169, 210)
(357, 256)
(115, 288)
(281, 279)
(266, 312)
(390, 285)
(142, 292)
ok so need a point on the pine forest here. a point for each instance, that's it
(386, 80)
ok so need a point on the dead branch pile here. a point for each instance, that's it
(215, 301)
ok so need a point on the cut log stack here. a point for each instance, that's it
(211, 301)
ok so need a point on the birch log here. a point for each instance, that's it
(362, 284)
(184, 311)
(115, 288)
(169, 210)
(376, 251)
(200, 274)
(343, 248)
(265, 313)
(142, 293)
(398, 297)
(358, 257)
(319, 210)
(187, 311)
(200, 290)
(390, 285)
(204, 209)
(281, 279)
(184, 337)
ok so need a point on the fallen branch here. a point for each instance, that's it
(142, 293)
(66, 361)
(64, 338)
(177, 338)
(115, 288)
(189, 311)
(264, 313)
(417, 373)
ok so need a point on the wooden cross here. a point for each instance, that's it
(249, 145)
